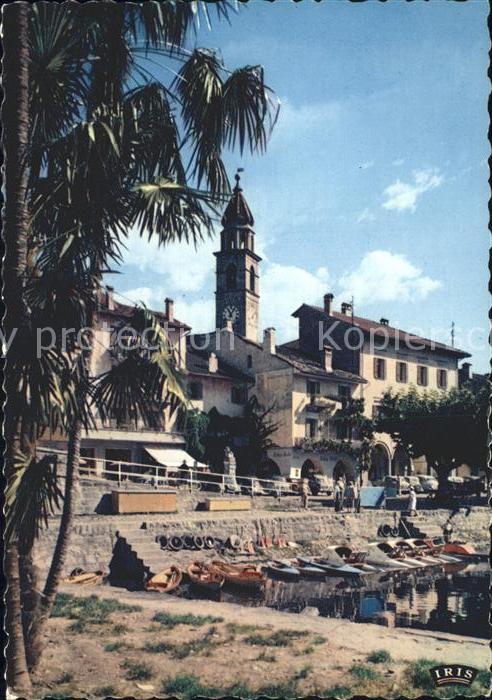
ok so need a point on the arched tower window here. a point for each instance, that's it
(231, 275)
(252, 280)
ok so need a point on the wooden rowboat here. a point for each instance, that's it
(461, 549)
(85, 578)
(243, 575)
(165, 581)
(205, 576)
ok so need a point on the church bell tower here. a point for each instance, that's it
(237, 295)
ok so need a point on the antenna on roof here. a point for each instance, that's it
(452, 334)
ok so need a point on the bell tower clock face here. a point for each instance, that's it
(230, 313)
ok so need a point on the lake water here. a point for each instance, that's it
(451, 598)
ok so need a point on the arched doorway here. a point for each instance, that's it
(310, 466)
(269, 468)
(345, 470)
(402, 464)
(380, 462)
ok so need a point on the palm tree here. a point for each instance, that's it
(112, 147)
(15, 115)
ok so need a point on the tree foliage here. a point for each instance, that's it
(448, 428)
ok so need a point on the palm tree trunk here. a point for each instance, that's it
(17, 674)
(35, 644)
(15, 118)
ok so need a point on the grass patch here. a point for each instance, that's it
(307, 651)
(237, 628)
(281, 638)
(88, 611)
(120, 629)
(105, 691)
(318, 640)
(137, 671)
(285, 690)
(169, 620)
(267, 657)
(302, 673)
(381, 656)
(116, 646)
(419, 676)
(364, 673)
(188, 686)
(204, 645)
(337, 691)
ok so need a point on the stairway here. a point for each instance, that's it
(136, 557)
(419, 526)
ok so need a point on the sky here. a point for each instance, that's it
(374, 182)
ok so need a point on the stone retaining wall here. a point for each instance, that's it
(93, 537)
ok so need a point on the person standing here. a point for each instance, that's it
(412, 502)
(339, 494)
(304, 494)
(352, 494)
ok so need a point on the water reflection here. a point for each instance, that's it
(452, 598)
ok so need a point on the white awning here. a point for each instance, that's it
(171, 457)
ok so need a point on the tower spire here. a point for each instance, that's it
(237, 213)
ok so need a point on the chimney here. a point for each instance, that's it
(110, 298)
(169, 305)
(213, 363)
(327, 302)
(346, 308)
(328, 358)
(384, 321)
(269, 341)
(464, 374)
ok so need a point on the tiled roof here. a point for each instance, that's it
(383, 330)
(307, 364)
(197, 363)
(126, 311)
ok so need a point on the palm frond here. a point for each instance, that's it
(31, 496)
(249, 109)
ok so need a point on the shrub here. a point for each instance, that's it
(364, 673)
(419, 676)
(136, 671)
(337, 691)
(105, 691)
(281, 638)
(116, 646)
(170, 620)
(381, 656)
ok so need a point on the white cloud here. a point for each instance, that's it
(184, 267)
(295, 121)
(385, 276)
(199, 313)
(398, 162)
(365, 166)
(365, 215)
(283, 289)
(152, 298)
(403, 195)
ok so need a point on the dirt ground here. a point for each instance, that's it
(202, 647)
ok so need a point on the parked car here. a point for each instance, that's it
(399, 484)
(277, 486)
(415, 482)
(251, 487)
(428, 483)
(325, 483)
